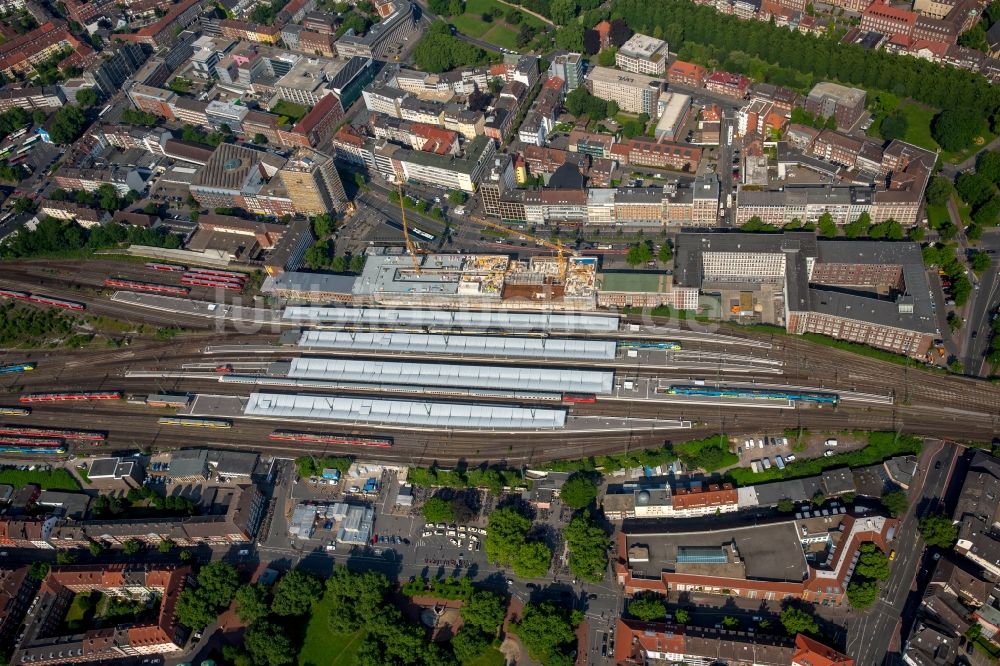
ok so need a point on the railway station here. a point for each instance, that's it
(460, 345)
(402, 413)
(518, 322)
(453, 375)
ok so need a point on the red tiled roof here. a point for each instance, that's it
(813, 653)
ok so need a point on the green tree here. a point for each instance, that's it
(86, 98)
(546, 631)
(862, 594)
(956, 128)
(67, 124)
(938, 530)
(562, 11)
(682, 616)
(505, 533)
(588, 548)
(457, 197)
(858, 227)
(987, 214)
(131, 547)
(570, 37)
(666, 252)
(95, 548)
(484, 611)
(730, 622)
(797, 621)
(786, 505)
(253, 602)
(38, 116)
(438, 510)
(988, 166)
(322, 225)
(895, 502)
(606, 58)
(894, 126)
(578, 491)
(186, 555)
(107, 197)
(268, 644)
(648, 608)
(974, 188)
(260, 139)
(65, 557)
(39, 570)
(354, 598)
(827, 227)
(533, 560)
(872, 563)
(357, 263)
(166, 545)
(295, 592)
(939, 190)
(217, 584)
(469, 644)
(639, 253)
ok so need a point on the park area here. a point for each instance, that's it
(497, 31)
(918, 131)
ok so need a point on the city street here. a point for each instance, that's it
(985, 301)
(876, 631)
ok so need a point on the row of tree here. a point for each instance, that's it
(822, 58)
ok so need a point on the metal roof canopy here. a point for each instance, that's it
(512, 321)
(453, 375)
(465, 345)
(402, 412)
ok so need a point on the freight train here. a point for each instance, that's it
(194, 423)
(32, 431)
(151, 287)
(18, 367)
(753, 394)
(75, 396)
(324, 438)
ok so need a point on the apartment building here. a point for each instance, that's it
(643, 54)
(42, 641)
(20, 54)
(726, 83)
(633, 500)
(634, 93)
(457, 172)
(569, 68)
(978, 514)
(384, 99)
(46, 97)
(686, 74)
(111, 74)
(660, 155)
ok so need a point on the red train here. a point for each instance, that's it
(166, 267)
(136, 285)
(56, 302)
(323, 438)
(19, 295)
(31, 431)
(195, 281)
(579, 398)
(215, 273)
(75, 396)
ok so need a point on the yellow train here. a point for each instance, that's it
(195, 423)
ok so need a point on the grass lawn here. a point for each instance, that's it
(492, 657)
(290, 109)
(322, 647)
(937, 216)
(57, 479)
(498, 31)
(78, 608)
(964, 212)
(918, 132)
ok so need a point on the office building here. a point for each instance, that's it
(634, 93)
(827, 99)
(569, 68)
(642, 54)
(312, 183)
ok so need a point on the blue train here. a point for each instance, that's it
(754, 394)
(642, 344)
(18, 367)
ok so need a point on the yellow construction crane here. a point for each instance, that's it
(410, 247)
(559, 248)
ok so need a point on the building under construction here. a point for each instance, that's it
(479, 280)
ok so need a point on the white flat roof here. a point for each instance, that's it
(464, 345)
(402, 412)
(453, 375)
(512, 321)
